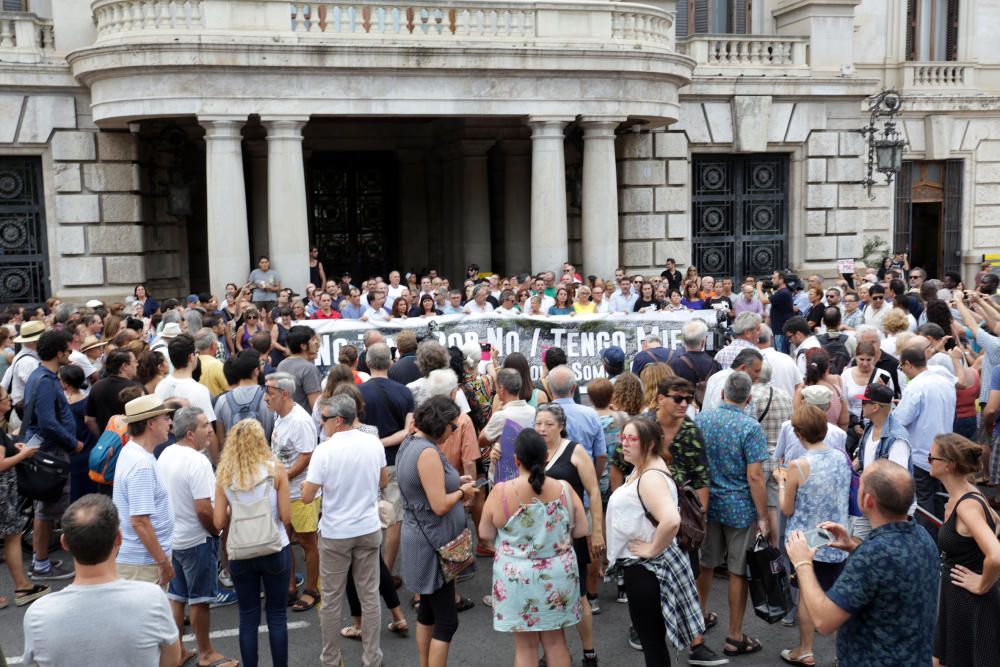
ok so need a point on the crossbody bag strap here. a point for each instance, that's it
(767, 408)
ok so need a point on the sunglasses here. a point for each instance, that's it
(327, 418)
(878, 298)
(678, 399)
(253, 317)
(931, 459)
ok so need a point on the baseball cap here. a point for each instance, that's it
(817, 395)
(192, 298)
(614, 355)
(877, 392)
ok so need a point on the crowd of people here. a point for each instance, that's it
(852, 423)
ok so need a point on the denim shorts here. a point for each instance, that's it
(195, 573)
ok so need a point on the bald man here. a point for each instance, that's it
(883, 604)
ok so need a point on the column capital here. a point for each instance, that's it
(284, 128)
(223, 127)
(600, 127)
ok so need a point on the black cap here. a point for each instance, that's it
(877, 392)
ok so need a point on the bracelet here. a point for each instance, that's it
(802, 562)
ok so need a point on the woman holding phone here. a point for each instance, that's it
(814, 490)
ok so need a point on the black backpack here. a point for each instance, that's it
(837, 349)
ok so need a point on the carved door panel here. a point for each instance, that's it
(24, 261)
(740, 214)
(353, 215)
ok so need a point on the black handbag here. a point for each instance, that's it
(44, 475)
(768, 581)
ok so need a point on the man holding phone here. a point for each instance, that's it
(883, 605)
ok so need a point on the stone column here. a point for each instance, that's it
(475, 221)
(517, 206)
(288, 220)
(228, 239)
(600, 197)
(549, 234)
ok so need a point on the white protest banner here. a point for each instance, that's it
(583, 338)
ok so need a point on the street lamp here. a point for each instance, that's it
(885, 153)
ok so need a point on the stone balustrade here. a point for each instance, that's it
(458, 21)
(24, 37)
(946, 77)
(766, 55)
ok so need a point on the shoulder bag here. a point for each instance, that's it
(42, 476)
(693, 528)
(454, 556)
(252, 529)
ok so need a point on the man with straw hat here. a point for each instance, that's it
(23, 364)
(93, 348)
(140, 494)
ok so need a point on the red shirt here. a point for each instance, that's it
(965, 399)
(318, 315)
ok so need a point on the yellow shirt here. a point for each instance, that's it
(212, 375)
(581, 309)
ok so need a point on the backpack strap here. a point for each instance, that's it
(690, 364)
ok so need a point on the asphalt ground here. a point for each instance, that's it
(475, 642)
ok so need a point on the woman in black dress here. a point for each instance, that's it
(569, 461)
(968, 625)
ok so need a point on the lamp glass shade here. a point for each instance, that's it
(889, 156)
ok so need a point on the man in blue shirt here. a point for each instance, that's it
(582, 423)
(884, 603)
(736, 447)
(48, 416)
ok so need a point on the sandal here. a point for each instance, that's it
(351, 632)
(711, 620)
(786, 655)
(464, 604)
(4, 602)
(23, 596)
(401, 628)
(222, 661)
(302, 605)
(415, 602)
(743, 646)
(186, 658)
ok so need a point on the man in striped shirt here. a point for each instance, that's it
(140, 494)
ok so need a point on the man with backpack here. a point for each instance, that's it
(840, 346)
(884, 438)
(246, 399)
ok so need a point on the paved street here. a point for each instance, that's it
(475, 644)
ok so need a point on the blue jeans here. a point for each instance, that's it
(195, 573)
(965, 426)
(273, 572)
(781, 343)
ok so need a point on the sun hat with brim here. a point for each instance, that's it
(90, 342)
(94, 303)
(171, 330)
(30, 332)
(143, 408)
(817, 395)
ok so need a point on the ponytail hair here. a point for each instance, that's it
(531, 452)
(817, 365)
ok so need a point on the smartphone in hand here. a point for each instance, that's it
(818, 537)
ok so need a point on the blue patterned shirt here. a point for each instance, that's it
(889, 586)
(732, 441)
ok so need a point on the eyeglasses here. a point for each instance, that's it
(628, 438)
(914, 277)
(636, 282)
(678, 399)
(931, 459)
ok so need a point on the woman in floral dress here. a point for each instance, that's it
(536, 581)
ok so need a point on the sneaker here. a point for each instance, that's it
(622, 596)
(633, 638)
(223, 599)
(702, 655)
(589, 662)
(225, 579)
(595, 605)
(55, 572)
(300, 580)
(788, 622)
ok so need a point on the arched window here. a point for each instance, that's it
(931, 30)
(713, 17)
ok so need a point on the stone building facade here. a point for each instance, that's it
(173, 141)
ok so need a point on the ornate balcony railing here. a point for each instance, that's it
(945, 77)
(748, 54)
(24, 37)
(456, 21)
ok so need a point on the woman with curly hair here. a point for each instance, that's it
(247, 474)
(627, 395)
(894, 323)
(650, 377)
(151, 369)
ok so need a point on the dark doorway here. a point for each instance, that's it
(926, 242)
(740, 214)
(353, 214)
(24, 257)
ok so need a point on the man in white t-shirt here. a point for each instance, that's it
(181, 384)
(293, 441)
(99, 619)
(349, 468)
(393, 290)
(785, 374)
(479, 305)
(190, 482)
